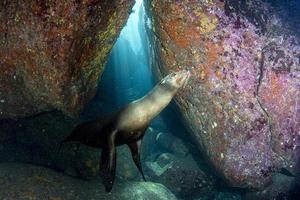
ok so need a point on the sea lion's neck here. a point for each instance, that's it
(156, 100)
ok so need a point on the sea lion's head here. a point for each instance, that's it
(176, 80)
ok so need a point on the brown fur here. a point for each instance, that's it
(126, 126)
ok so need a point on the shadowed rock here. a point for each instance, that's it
(23, 181)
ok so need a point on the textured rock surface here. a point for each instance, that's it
(221, 196)
(21, 181)
(172, 144)
(282, 187)
(146, 190)
(126, 167)
(53, 52)
(242, 102)
(181, 175)
(36, 140)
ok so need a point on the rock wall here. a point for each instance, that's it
(24, 181)
(53, 52)
(242, 103)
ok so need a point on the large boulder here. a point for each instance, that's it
(180, 174)
(146, 190)
(282, 187)
(126, 168)
(36, 140)
(242, 101)
(23, 181)
(53, 52)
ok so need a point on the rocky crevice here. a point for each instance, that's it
(259, 81)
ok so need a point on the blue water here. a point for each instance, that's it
(127, 74)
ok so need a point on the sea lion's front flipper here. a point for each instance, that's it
(108, 162)
(135, 152)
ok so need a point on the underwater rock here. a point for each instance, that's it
(171, 144)
(149, 146)
(84, 163)
(217, 195)
(161, 164)
(226, 196)
(39, 137)
(146, 190)
(242, 101)
(6, 134)
(52, 53)
(24, 181)
(265, 14)
(180, 174)
(157, 142)
(125, 165)
(36, 140)
(282, 187)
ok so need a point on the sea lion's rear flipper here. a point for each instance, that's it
(108, 162)
(135, 152)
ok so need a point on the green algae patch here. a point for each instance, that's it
(208, 24)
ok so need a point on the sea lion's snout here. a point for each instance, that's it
(182, 78)
(188, 75)
(177, 79)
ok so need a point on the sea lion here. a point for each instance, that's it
(127, 126)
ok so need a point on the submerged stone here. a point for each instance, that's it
(146, 190)
(52, 53)
(23, 181)
(242, 102)
(282, 187)
(180, 174)
(171, 143)
(126, 168)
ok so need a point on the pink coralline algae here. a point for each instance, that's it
(265, 76)
(242, 105)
